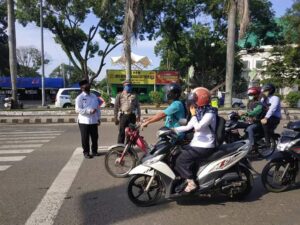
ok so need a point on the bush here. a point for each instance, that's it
(156, 97)
(106, 98)
(292, 98)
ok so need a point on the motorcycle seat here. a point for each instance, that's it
(224, 150)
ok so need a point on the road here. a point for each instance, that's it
(45, 180)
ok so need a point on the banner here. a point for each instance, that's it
(137, 77)
(167, 77)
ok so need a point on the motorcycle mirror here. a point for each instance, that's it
(183, 122)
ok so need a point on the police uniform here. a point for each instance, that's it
(127, 104)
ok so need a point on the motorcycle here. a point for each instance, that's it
(232, 134)
(227, 171)
(283, 170)
(120, 158)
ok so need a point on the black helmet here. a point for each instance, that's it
(173, 91)
(268, 87)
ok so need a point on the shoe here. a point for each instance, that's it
(88, 156)
(191, 187)
(96, 154)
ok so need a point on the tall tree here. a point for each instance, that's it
(66, 20)
(4, 55)
(12, 49)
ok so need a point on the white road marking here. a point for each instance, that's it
(4, 167)
(21, 146)
(49, 206)
(24, 141)
(31, 132)
(11, 158)
(28, 135)
(16, 151)
(25, 138)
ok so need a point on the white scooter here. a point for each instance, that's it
(227, 171)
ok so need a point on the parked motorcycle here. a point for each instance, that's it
(227, 171)
(120, 158)
(283, 170)
(232, 134)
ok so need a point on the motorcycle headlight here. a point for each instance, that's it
(153, 160)
(281, 147)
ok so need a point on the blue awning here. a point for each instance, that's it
(32, 83)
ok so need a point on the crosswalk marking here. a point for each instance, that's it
(11, 158)
(26, 135)
(30, 132)
(21, 146)
(3, 168)
(16, 151)
(25, 141)
(49, 206)
(25, 138)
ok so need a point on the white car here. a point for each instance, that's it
(63, 97)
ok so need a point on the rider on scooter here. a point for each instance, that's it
(273, 116)
(254, 114)
(174, 112)
(203, 144)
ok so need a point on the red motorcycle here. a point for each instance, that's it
(121, 159)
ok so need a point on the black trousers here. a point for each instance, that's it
(270, 127)
(125, 120)
(88, 131)
(189, 157)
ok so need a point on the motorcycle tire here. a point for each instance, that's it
(112, 166)
(276, 188)
(248, 178)
(138, 183)
(265, 154)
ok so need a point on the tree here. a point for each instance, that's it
(4, 55)
(29, 61)
(65, 20)
(292, 22)
(12, 49)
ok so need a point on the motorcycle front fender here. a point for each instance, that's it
(141, 169)
(280, 156)
(164, 169)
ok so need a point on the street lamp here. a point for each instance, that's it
(42, 51)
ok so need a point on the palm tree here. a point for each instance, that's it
(133, 16)
(12, 49)
(238, 13)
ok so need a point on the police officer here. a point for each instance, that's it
(87, 106)
(128, 107)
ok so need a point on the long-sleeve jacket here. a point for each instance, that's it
(127, 103)
(274, 106)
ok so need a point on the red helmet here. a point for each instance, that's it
(255, 91)
(200, 96)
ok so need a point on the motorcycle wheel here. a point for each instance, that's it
(271, 177)
(266, 152)
(137, 194)
(245, 189)
(116, 168)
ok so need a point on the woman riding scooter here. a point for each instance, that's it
(203, 144)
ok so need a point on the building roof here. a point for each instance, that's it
(32, 82)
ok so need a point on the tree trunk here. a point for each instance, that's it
(12, 48)
(127, 52)
(231, 36)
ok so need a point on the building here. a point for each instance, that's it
(144, 81)
(30, 88)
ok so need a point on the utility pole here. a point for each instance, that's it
(42, 50)
(12, 50)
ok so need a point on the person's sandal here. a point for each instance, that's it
(190, 188)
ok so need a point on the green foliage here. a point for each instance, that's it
(4, 63)
(292, 98)
(65, 19)
(156, 97)
(292, 21)
(282, 66)
(106, 97)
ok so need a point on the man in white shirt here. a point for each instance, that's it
(87, 106)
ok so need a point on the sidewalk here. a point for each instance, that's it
(69, 116)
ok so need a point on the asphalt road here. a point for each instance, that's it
(45, 180)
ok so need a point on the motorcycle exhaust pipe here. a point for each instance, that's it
(227, 177)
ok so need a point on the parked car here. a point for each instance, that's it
(64, 100)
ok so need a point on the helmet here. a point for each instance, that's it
(173, 91)
(255, 91)
(199, 96)
(269, 87)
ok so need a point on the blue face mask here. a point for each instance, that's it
(128, 88)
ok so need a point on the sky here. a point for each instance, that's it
(30, 36)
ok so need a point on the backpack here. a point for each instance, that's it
(219, 130)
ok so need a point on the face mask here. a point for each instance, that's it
(251, 97)
(266, 93)
(128, 88)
